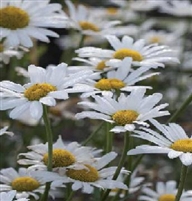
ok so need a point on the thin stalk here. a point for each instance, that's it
(50, 149)
(70, 196)
(109, 139)
(181, 182)
(181, 109)
(121, 163)
(92, 134)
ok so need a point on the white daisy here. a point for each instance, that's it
(6, 53)
(82, 19)
(162, 37)
(126, 111)
(174, 142)
(178, 8)
(22, 182)
(4, 131)
(164, 192)
(94, 175)
(21, 20)
(71, 155)
(122, 79)
(153, 54)
(45, 86)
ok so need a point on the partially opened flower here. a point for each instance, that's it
(124, 78)
(21, 20)
(44, 87)
(173, 141)
(82, 19)
(153, 54)
(165, 191)
(25, 185)
(4, 131)
(126, 111)
(93, 175)
(71, 155)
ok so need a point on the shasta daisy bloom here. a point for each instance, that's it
(173, 141)
(165, 191)
(4, 131)
(93, 175)
(126, 111)
(123, 78)
(71, 155)
(45, 86)
(6, 53)
(82, 19)
(21, 20)
(22, 182)
(153, 54)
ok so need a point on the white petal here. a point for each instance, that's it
(36, 110)
(50, 101)
(16, 112)
(186, 158)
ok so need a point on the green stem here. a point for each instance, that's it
(70, 196)
(92, 134)
(50, 149)
(121, 163)
(181, 182)
(181, 109)
(109, 139)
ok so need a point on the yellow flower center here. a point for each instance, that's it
(109, 84)
(123, 117)
(88, 26)
(61, 158)
(87, 175)
(1, 47)
(101, 65)
(111, 11)
(37, 91)
(167, 197)
(13, 18)
(184, 145)
(155, 39)
(125, 52)
(25, 184)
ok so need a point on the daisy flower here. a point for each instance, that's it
(4, 131)
(6, 53)
(122, 79)
(178, 8)
(9, 196)
(21, 20)
(153, 54)
(165, 191)
(82, 19)
(126, 111)
(162, 37)
(93, 175)
(71, 155)
(174, 142)
(22, 182)
(45, 86)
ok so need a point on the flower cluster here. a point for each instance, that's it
(117, 67)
